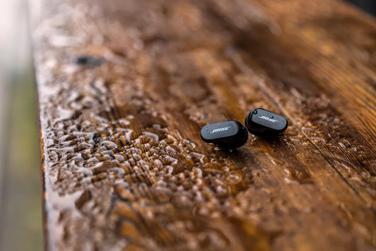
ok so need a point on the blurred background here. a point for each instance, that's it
(20, 185)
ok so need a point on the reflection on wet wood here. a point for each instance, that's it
(124, 87)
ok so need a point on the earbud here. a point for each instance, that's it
(226, 135)
(265, 123)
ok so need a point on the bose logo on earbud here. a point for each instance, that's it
(268, 119)
(220, 129)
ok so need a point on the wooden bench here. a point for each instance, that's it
(124, 87)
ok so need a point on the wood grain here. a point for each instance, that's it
(124, 87)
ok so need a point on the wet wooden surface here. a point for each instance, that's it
(124, 87)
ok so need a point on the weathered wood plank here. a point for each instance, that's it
(124, 166)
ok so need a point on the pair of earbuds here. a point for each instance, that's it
(232, 134)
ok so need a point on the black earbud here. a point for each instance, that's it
(265, 123)
(227, 135)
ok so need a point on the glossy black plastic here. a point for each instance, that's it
(265, 123)
(227, 135)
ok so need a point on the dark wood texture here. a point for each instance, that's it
(124, 87)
